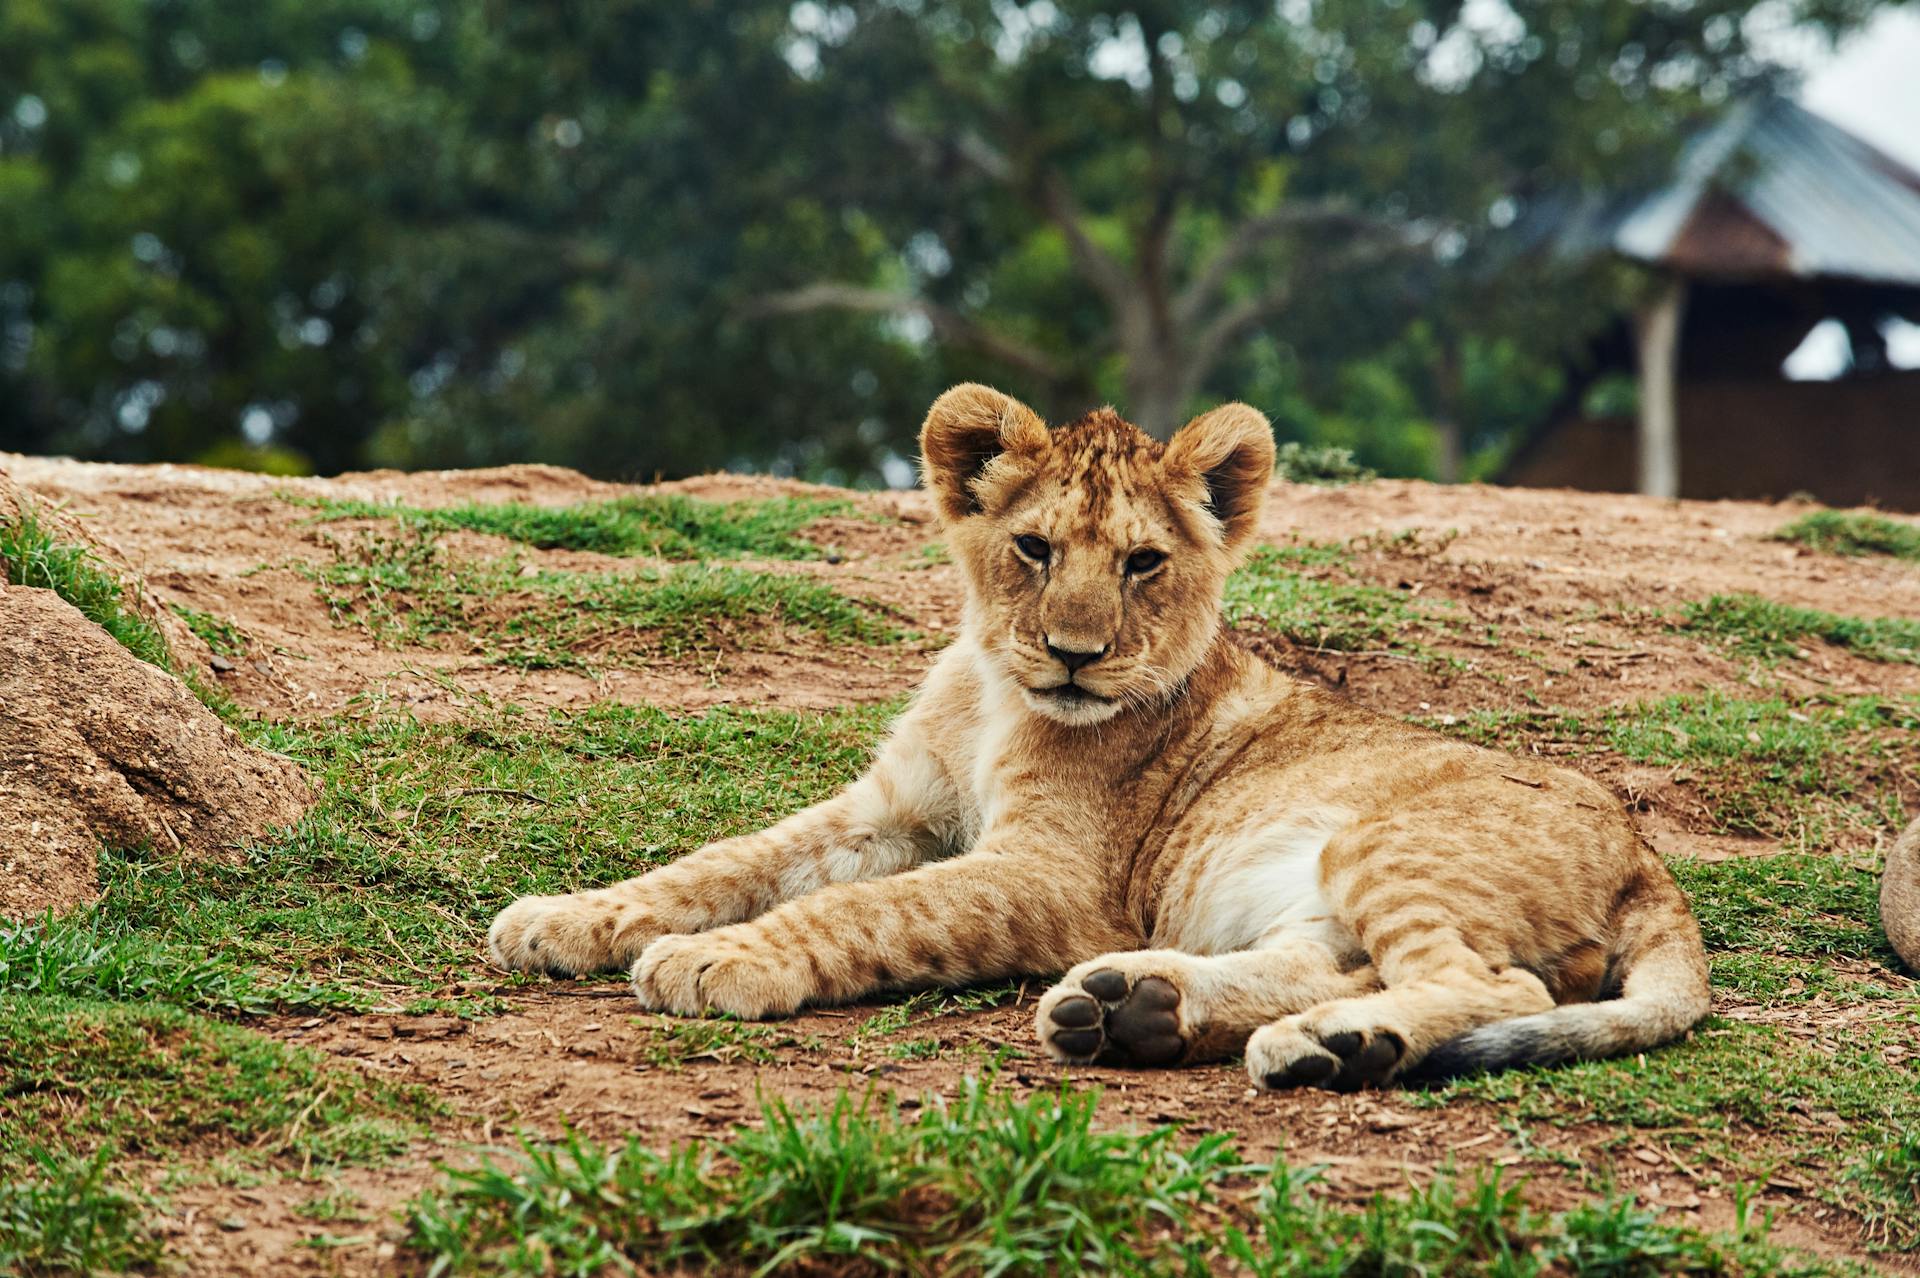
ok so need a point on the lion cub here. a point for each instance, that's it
(1096, 779)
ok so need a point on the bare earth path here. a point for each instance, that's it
(1571, 586)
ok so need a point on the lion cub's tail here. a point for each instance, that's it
(1660, 968)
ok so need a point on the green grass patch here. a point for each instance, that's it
(406, 591)
(153, 1080)
(222, 637)
(1796, 906)
(60, 1214)
(1838, 1115)
(33, 556)
(658, 527)
(1482, 1225)
(423, 831)
(993, 1184)
(1850, 532)
(1815, 774)
(986, 1184)
(1771, 924)
(677, 1040)
(1802, 773)
(1758, 627)
(75, 957)
(1891, 1172)
(1271, 593)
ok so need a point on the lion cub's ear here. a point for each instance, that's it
(1230, 450)
(973, 442)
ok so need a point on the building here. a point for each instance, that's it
(1777, 223)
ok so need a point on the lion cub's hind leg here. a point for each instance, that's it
(1441, 937)
(1163, 1007)
(1350, 1043)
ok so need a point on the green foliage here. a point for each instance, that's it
(234, 454)
(1772, 631)
(1847, 532)
(33, 556)
(358, 232)
(60, 1215)
(1319, 464)
(381, 233)
(659, 527)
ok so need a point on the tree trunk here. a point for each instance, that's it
(1160, 381)
(1446, 463)
(1153, 405)
(1658, 340)
(1447, 387)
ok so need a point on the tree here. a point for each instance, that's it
(375, 231)
(1201, 171)
(647, 238)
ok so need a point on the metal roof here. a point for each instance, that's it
(1768, 190)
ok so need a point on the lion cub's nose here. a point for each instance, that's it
(1074, 660)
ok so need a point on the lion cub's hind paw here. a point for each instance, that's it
(1105, 1017)
(1284, 1056)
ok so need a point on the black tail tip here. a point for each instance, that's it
(1486, 1050)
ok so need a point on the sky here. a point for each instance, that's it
(1871, 84)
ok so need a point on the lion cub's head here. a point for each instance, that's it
(1094, 554)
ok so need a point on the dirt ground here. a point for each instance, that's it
(1571, 571)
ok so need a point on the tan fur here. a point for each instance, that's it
(1219, 857)
(1900, 896)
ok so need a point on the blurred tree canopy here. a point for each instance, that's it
(654, 236)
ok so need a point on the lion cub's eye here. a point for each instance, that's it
(1033, 547)
(1141, 562)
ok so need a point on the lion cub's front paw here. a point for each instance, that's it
(1100, 1012)
(716, 972)
(568, 935)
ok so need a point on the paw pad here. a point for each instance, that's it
(1124, 1026)
(1348, 1060)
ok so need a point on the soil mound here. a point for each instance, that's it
(17, 503)
(1900, 897)
(98, 747)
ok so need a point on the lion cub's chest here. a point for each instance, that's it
(1256, 885)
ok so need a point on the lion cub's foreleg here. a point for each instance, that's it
(883, 823)
(1163, 1007)
(981, 916)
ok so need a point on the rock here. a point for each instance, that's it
(1900, 896)
(100, 748)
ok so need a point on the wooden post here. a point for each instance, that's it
(1657, 334)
